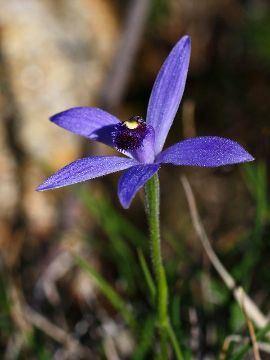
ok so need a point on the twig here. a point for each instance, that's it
(262, 346)
(56, 333)
(26, 318)
(227, 342)
(246, 347)
(110, 349)
(14, 346)
(252, 335)
(57, 268)
(252, 310)
(129, 43)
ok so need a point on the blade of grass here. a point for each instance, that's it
(256, 179)
(148, 276)
(109, 292)
(104, 212)
(146, 339)
(120, 251)
(175, 311)
(174, 341)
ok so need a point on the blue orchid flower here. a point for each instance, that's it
(142, 141)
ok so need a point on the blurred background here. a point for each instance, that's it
(58, 54)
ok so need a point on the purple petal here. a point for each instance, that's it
(206, 151)
(93, 123)
(168, 90)
(86, 169)
(132, 180)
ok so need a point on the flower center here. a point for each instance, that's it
(130, 134)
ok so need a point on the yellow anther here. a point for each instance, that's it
(131, 124)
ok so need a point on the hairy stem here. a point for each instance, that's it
(152, 209)
(165, 329)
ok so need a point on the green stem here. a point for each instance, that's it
(165, 328)
(152, 208)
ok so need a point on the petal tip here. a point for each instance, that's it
(52, 118)
(55, 118)
(49, 184)
(124, 204)
(249, 158)
(187, 40)
(246, 156)
(40, 188)
(71, 111)
(184, 44)
(43, 187)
